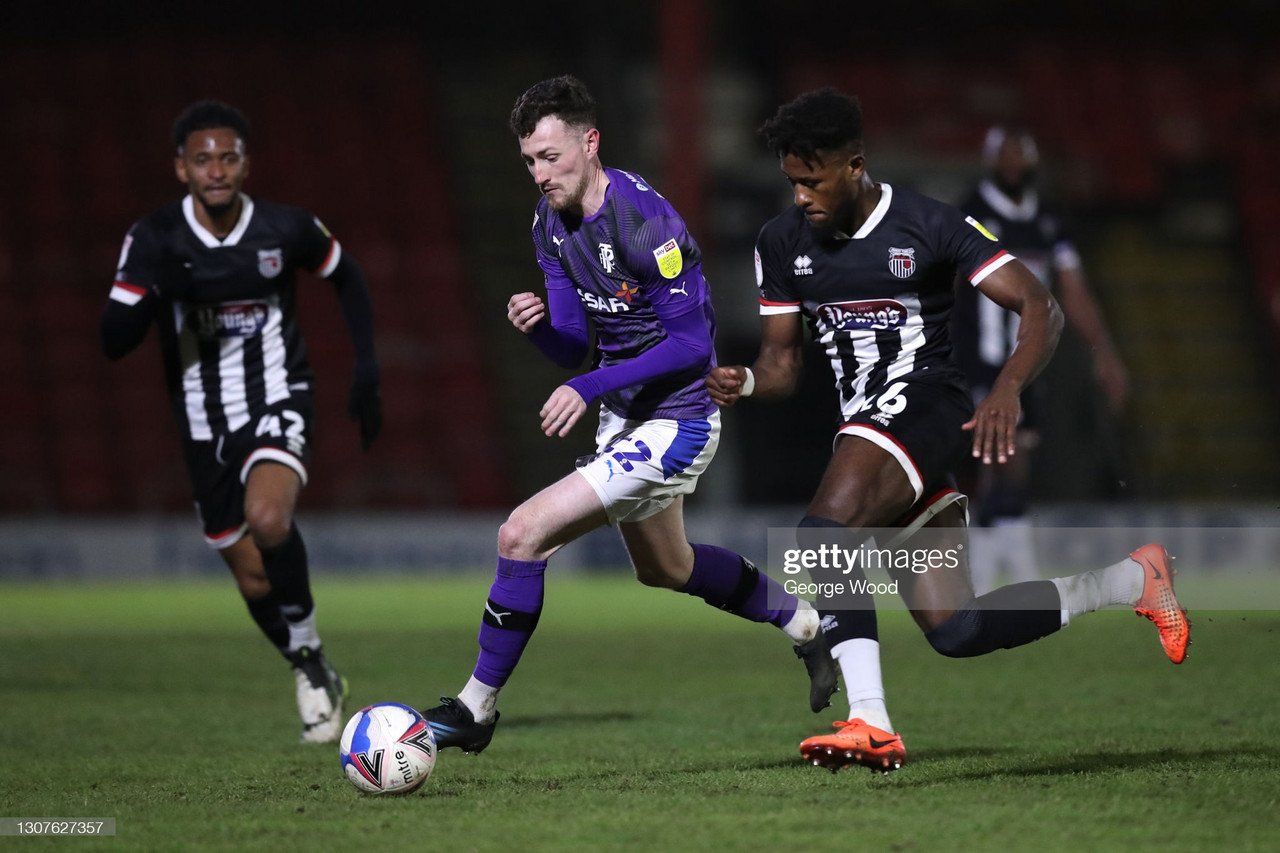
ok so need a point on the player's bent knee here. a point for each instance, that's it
(961, 635)
(518, 539)
(268, 523)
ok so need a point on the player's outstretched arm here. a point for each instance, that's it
(774, 373)
(995, 420)
(364, 403)
(1082, 312)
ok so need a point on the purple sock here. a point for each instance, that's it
(723, 579)
(510, 615)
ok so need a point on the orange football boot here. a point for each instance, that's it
(856, 742)
(1158, 603)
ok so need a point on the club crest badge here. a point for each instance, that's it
(606, 257)
(902, 262)
(270, 262)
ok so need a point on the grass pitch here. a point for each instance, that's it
(638, 719)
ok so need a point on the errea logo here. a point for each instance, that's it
(804, 266)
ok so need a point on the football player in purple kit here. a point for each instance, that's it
(872, 267)
(216, 273)
(617, 257)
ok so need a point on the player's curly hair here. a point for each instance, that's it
(821, 120)
(207, 115)
(566, 97)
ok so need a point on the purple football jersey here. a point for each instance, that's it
(629, 261)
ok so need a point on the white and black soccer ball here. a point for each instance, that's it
(387, 748)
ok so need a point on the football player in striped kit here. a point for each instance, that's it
(1007, 204)
(871, 268)
(216, 273)
(618, 258)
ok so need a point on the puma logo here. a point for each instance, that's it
(682, 289)
(495, 614)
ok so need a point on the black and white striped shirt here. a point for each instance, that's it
(226, 308)
(983, 332)
(879, 301)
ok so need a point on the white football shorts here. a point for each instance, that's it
(640, 467)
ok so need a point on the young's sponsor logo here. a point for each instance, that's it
(863, 314)
(228, 320)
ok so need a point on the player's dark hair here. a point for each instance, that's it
(207, 115)
(565, 97)
(821, 120)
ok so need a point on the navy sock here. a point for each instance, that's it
(1005, 618)
(857, 617)
(1020, 613)
(286, 568)
(266, 614)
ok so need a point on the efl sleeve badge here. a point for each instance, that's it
(670, 261)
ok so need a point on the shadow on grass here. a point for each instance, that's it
(568, 718)
(1077, 765)
(612, 778)
(926, 769)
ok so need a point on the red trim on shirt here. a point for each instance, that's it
(991, 260)
(333, 245)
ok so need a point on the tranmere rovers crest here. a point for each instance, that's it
(270, 262)
(902, 262)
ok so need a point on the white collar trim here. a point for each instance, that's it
(882, 207)
(206, 236)
(1023, 211)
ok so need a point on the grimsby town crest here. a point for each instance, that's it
(902, 262)
(270, 262)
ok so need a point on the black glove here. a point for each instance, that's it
(364, 404)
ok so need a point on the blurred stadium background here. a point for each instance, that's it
(1158, 124)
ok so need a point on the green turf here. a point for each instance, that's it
(639, 719)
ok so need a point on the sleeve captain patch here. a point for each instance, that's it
(670, 261)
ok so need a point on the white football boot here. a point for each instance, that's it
(321, 692)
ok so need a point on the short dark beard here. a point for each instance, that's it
(573, 201)
(216, 211)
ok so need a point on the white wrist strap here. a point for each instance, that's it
(748, 384)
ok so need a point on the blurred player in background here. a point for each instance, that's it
(618, 259)
(216, 272)
(871, 268)
(1007, 204)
